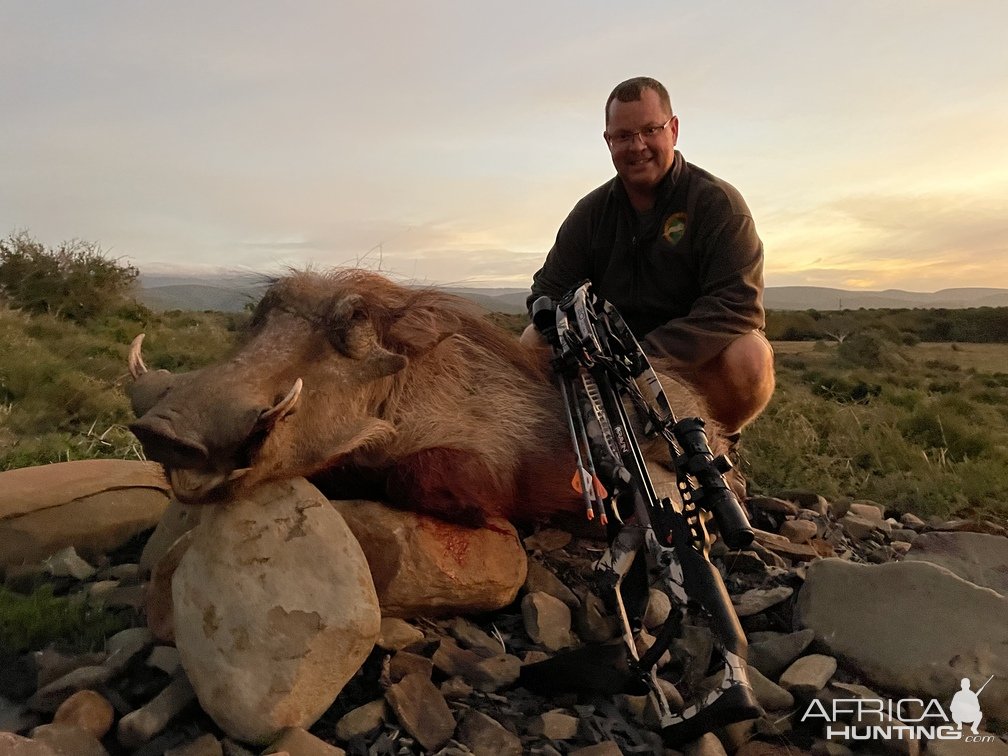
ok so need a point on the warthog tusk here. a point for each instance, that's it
(136, 363)
(236, 474)
(284, 406)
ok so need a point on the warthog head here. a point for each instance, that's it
(304, 393)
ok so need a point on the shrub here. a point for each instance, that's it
(75, 281)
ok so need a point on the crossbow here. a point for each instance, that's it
(604, 376)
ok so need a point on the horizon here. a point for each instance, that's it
(208, 278)
(446, 143)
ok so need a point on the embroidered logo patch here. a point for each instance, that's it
(674, 228)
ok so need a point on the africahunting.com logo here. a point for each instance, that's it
(909, 718)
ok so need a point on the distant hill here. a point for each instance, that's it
(231, 293)
(821, 298)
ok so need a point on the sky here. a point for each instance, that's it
(445, 142)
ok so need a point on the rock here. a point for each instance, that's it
(747, 562)
(158, 606)
(204, 745)
(762, 748)
(774, 505)
(421, 710)
(15, 745)
(643, 640)
(397, 633)
(50, 665)
(49, 697)
(798, 531)
(69, 739)
(547, 539)
(93, 505)
(605, 748)
(165, 658)
(296, 741)
(483, 734)
(554, 725)
(886, 634)
(486, 674)
(807, 500)
(361, 721)
(67, 563)
(694, 647)
(541, 579)
(782, 546)
(593, 623)
(88, 710)
(455, 688)
(139, 726)
(769, 558)
(771, 696)
(177, 520)
(274, 609)
(547, 621)
(404, 663)
(15, 717)
(126, 645)
(422, 566)
(774, 654)
(470, 636)
(858, 528)
(912, 521)
(869, 510)
(122, 596)
(828, 748)
(980, 558)
(808, 674)
(973, 526)
(757, 600)
(903, 534)
(994, 746)
(658, 609)
(705, 745)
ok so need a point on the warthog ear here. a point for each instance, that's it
(354, 334)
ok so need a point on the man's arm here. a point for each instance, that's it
(568, 260)
(730, 270)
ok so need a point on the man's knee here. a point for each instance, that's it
(738, 383)
(748, 363)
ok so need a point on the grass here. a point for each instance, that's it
(921, 428)
(61, 384)
(71, 623)
(924, 429)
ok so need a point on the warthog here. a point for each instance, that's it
(371, 389)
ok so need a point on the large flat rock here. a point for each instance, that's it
(911, 626)
(978, 557)
(93, 505)
(29, 489)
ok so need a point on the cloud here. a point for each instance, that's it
(917, 241)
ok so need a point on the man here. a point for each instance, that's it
(675, 250)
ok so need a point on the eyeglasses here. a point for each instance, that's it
(626, 138)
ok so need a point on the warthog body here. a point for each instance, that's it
(371, 389)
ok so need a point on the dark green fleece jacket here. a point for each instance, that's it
(687, 276)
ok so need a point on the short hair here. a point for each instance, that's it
(632, 90)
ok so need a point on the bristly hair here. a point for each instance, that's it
(407, 320)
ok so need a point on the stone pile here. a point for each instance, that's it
(837, 601)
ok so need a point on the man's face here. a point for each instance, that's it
(642, 160)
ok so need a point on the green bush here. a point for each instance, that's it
(75, 281)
